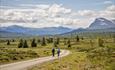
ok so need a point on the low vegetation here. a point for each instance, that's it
(87, 53)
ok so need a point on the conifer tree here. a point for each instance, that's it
(77, 38)
(8, 42)
(55, 44)
(20, 45)
(48, 40)
(25, 44)
(58, 41)
(33, 44)
(13, 40)
(43, 42)
(39, 40)
(69, 44)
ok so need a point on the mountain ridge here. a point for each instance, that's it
(95, 28)
(35, 31)
(101, 23)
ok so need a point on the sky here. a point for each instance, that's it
(53, 13)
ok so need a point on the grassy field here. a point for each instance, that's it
(85, 54)
(11, 53)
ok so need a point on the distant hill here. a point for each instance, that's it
(113, 21)
(11, 34)
(77, 31)
(102, 23)
(35, 31)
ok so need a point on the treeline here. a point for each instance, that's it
(92, 34)
(44, 41)
(56, 41)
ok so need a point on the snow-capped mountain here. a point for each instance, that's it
(99, 25)
(102, 23)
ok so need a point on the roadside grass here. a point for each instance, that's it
(11, 53)
(70, 62)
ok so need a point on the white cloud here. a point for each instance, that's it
(87, 13)
(109, 13)
(52, 15)
(111, 8)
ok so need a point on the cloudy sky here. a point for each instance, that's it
(53, 13)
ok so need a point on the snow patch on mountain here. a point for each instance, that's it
(102, 23)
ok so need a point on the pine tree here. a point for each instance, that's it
(33, 44)
(39, 40)
(77, 38)
(8, 42)
(55, 44)
(69, 44)
(43, 42)
(25, 44)
(20, 45)
(50, 40)
(58, 40)
(13, 40)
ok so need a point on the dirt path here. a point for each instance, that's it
(24, 65)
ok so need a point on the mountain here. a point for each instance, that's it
(113, 21)
(5, 34)
(35, 31)
(90, 32)
(102, 23)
